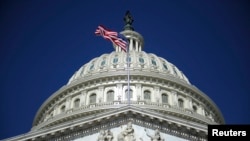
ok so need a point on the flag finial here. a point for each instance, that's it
(128, 19)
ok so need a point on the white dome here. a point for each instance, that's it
(157, 91)
(117, 61)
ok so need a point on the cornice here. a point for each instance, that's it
(129, 112)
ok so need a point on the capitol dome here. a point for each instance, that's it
(99, 98)
(140, 61)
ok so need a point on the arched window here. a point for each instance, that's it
(115, 60)
(164, 98)
(77, 103)
(82, 71)
(141, 60)
(147, 95)
(91, 66)
(153, 61)
(174, 69)
(110, 96)
(195, 108)
(92, 98)
(180, 103)
(165, 66)
(103, 62)
(128, 59)
(63, 109)
(130, 94)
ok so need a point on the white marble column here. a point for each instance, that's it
(83, 98)
(174, 98)
(136, 45)
(139, 91)
(202, 110)
(100, 96)
(188, 104)
(55, 110)
(68, 103)
(130, 44)
(156, 94)
(119, 91)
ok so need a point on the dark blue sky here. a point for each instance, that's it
(43, 43)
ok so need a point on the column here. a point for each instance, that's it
(130, 44)
(174, 98)
(83, 98)
(202, 111)
(136, 46)
(100, 95)
(138, 91)
(68, 103)
(55, 110)
(119, 92)
(188, 103)
(156, 95)
(116, 49)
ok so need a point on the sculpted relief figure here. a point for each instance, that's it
(156, 136)
(127, 134)
(109, 135)
(105, 135)
(101, 136)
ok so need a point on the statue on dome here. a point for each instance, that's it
(128, 19)
(156, 136)
(127, 134)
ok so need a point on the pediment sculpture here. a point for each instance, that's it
(105, 135)
(128, 134)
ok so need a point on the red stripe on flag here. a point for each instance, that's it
(112, 36)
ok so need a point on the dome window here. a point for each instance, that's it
(77, 103)
(141, 60)
(110, 96)
(130, 94)
(63, 109)
(92, 98)
(195, 108)
(180, 103)
(174, 69)
(153, 62)
(164, 98)
(82, 71)
(147, 95)
(128, 59)
(103, 62)
(91, 67)
(165, 66)
(115, 60)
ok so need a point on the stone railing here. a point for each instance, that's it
(117, 104)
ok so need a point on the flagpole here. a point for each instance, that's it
(128, 67)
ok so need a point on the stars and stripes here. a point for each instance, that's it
(114, 37)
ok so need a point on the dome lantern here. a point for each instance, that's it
(135, 40)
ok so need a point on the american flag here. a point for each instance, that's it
(114, 37)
